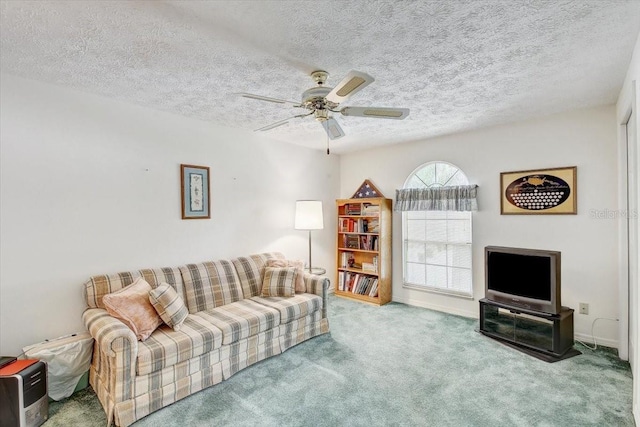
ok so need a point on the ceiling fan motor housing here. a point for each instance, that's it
(314, 99)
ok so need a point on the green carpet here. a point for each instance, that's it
(397, 365)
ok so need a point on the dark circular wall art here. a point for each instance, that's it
(537, 192)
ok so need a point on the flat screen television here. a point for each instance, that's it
(526, 278)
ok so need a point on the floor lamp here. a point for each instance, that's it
(309, 217)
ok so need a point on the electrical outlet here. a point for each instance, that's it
(584, 308)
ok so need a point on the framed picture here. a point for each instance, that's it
(539, 192)
(194, 182)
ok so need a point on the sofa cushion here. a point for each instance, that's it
(251, 271)
(241, 319)
(166, 347)
(171, 275)
(169, 305)
(131, 306)
(279, 282)
(292, 308)
(98, 286)
(210, 284)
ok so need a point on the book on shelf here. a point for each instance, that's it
(344, 259)
(370, 210)
(357, 283)
(374, 289)
(369, 243)
(352, 208)
(348, 225)
(352, 241)
(369, 267)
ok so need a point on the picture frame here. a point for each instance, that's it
(194, 184)
(539, 192)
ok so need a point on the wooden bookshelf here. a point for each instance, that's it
(364, 250)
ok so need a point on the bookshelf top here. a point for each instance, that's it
(369, 200)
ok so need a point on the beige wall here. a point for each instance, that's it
(91, 186)
(584, 138)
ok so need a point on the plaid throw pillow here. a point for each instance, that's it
(169, 305)
(300, 286)
(279, 281)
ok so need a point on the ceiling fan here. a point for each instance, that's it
(321, 100)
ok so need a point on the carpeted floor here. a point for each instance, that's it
(402, 366)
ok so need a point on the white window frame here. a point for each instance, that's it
(446, 290)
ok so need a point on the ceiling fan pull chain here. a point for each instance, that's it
(328, 146)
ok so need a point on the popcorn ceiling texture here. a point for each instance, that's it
(458, 65)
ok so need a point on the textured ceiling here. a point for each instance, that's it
(458, 65)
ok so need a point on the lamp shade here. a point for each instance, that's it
(309, 215)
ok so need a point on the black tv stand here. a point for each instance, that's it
(546, 336)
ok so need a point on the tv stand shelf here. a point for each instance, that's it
(543, 335)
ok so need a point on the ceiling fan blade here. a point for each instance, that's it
(376, 112)
(332, 128)
(266, 98)
(281, 122)
(273, 125)
(353, 82)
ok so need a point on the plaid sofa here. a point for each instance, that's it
(229, 327)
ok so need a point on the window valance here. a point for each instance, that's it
(451, 198)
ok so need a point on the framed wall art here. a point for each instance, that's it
(194, 182)
(539, 192)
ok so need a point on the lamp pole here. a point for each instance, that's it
(309, 251)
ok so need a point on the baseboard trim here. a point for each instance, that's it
(437, 307)
(605, 342)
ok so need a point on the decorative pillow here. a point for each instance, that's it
(279, 281)
(169, 305)
(299, 265)
(131, 305)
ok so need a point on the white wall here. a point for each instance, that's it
(625, 102)
(586, 139)
(90, 185)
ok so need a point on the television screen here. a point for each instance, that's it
(521, 275)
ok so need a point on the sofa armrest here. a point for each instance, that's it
(118, 347)
(318, 285)
(111, 335)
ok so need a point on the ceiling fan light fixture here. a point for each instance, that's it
(321, 115)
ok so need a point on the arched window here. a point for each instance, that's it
(437, 243)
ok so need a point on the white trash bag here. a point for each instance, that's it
(68, 359)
